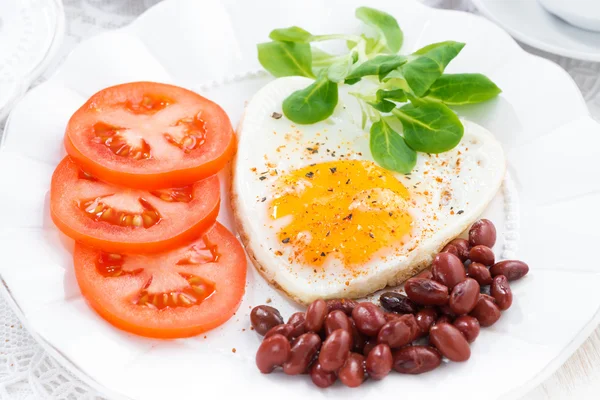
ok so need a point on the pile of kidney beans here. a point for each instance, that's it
(442, 311)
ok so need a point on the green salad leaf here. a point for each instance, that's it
(390, 33)
(382, 105)
(379, 65)
(430, 127)
(461, 89)
(339, 70)
(370, 44)
(291, 34)
(427, 65)
(313, 103)
(286, 58)
(394, 94)
(390, 150)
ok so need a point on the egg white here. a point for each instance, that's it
(455, 187)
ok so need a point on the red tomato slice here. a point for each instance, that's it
(115, 218)
(179, 293)
(149, 135)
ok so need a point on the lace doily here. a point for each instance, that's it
(27, 372)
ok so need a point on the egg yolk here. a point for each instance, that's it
(349, 209)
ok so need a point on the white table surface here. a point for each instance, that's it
(27, 372)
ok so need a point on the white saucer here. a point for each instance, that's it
(580, 13)
(528, 22)
(30, 34)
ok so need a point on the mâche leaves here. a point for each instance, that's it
(400, 93)
(461, 89)
(390, 150)
(390, 33)
(384, 99)
(394, 95)
(382, 105)
(313, 103)
(286, 58)
(291, 34)
(379, 66)
(430, 127)
(428, 64)
(338, 71)
(370, 44)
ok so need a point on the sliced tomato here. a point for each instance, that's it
(115, 218)
(150, 135)
(179, 293)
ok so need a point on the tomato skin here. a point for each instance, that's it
(96, 159)
(111, 298)
(72, 221)
(151, 181)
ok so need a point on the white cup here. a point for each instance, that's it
(583, 14)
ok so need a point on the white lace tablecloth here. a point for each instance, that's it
(27, 372)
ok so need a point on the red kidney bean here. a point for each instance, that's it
(488, 297)
(395, 334)
(463, 247)
(335, 350)
(450, 342)
(448, 270)
(264, 318)
(512, 269)
(425, 319)
(416, 359)
(486, 311)
(302, 353)
(502, 292)
(369, 345)
(397, 303)
(444, 319)
(468, 326)
(283, 329)
(345, 305)
(446, 310)
(298, 321)
(482, 254)
(464, 296)
(482, 232)
(272, 352)
(411, 321)
(358, 339)
(368, 318)
(390, 316)
(320, 377)
(337, 320)
(425, 274)
(352, 373)
(426, 291)
(480, 273)
(379, 361)
(315, 315)
(450, 248)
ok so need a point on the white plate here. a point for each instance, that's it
(547, 213)
(528, 22)
(30, 34)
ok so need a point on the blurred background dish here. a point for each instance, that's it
(30, 34)
(584, 14)
(529, 22)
